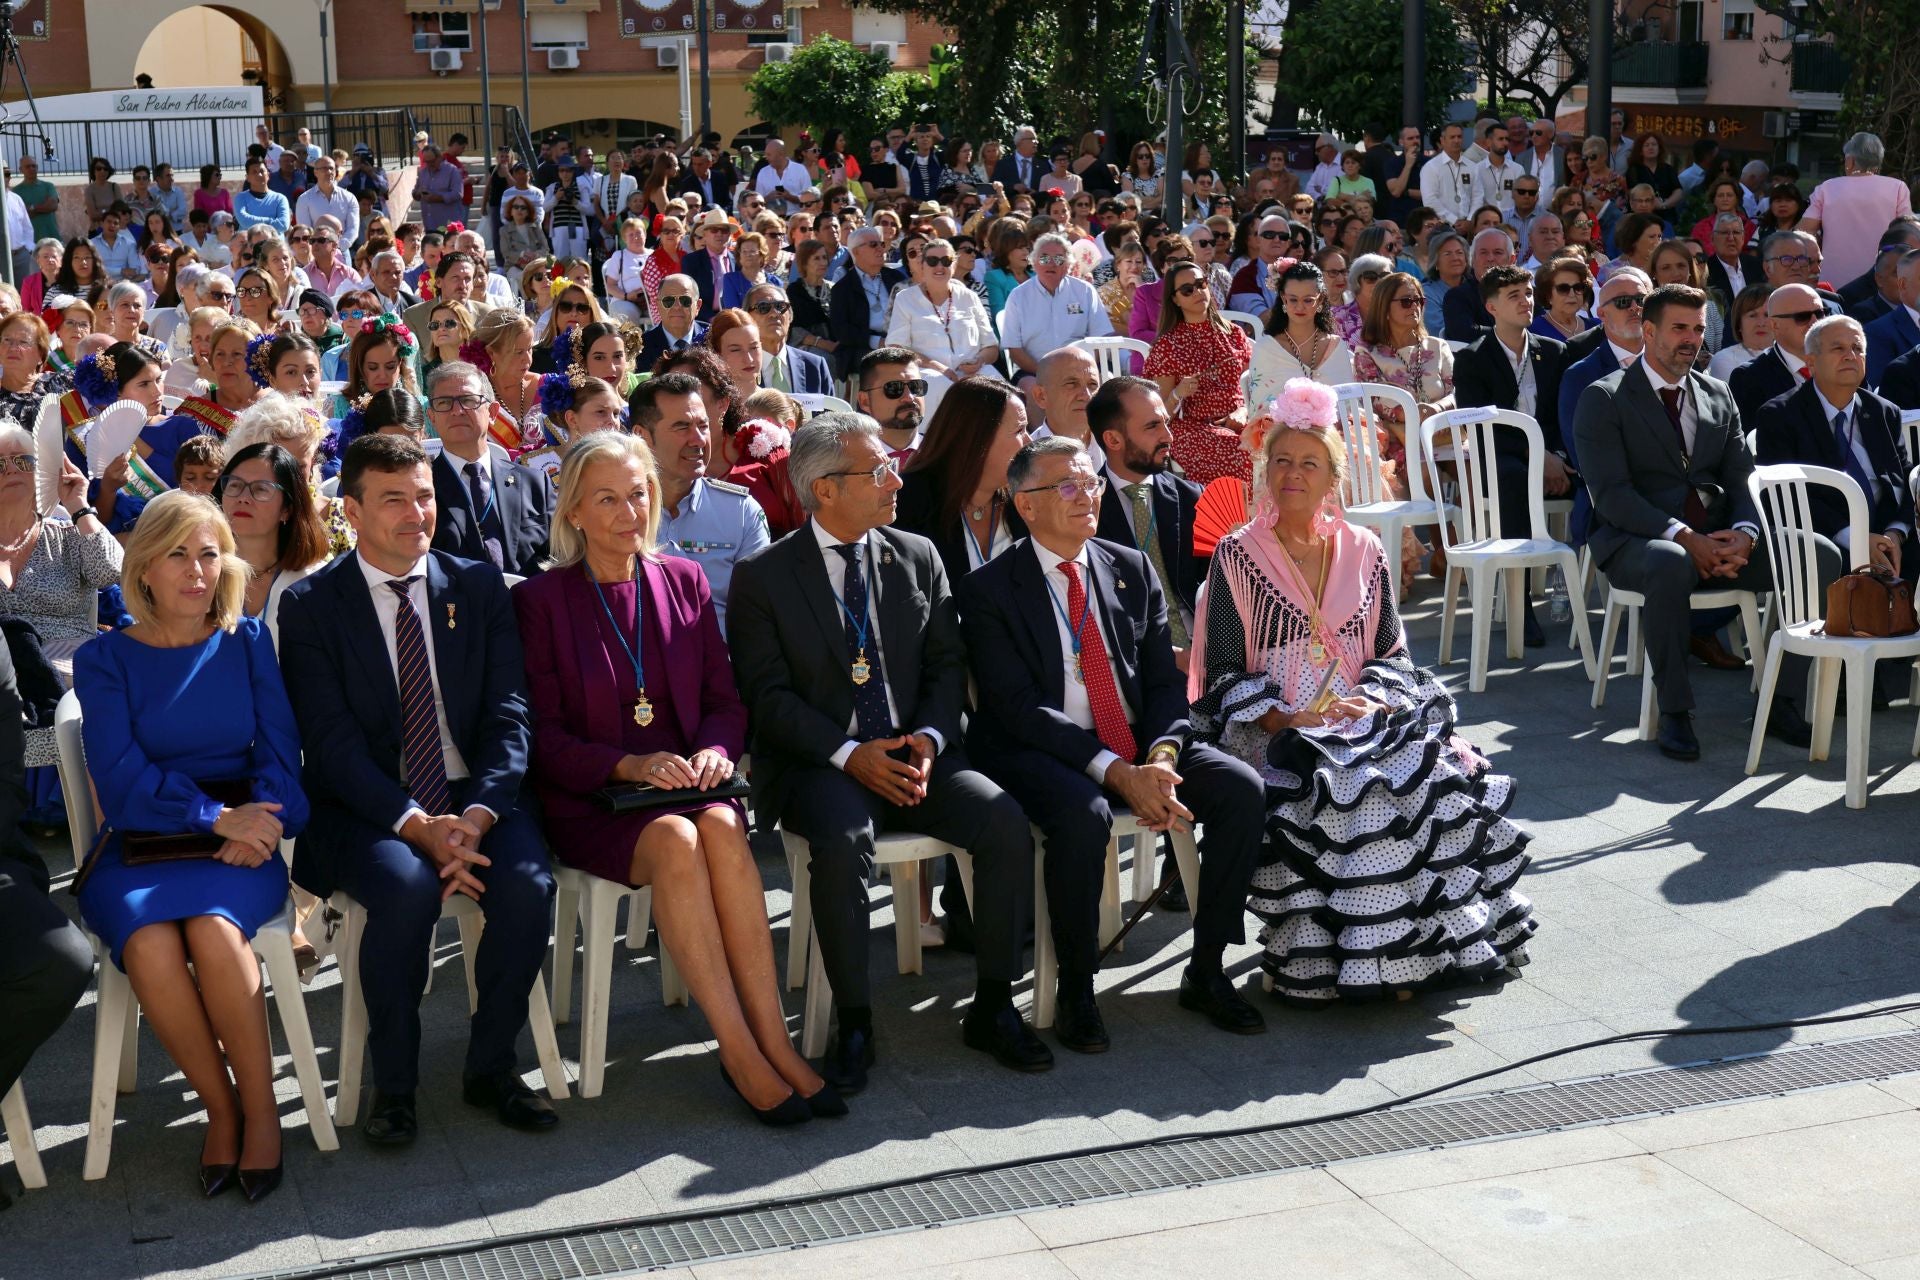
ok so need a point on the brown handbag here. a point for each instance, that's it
(1870, 603)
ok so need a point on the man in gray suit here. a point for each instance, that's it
(846, 643)
(1661, 450)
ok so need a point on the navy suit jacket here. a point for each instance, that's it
(1759, 380)
(697, 266)
(807, 373)
(1172, 502)
(1464, 311)
(1483, 376)
(1795, 428)
(1578, 377)
(346, 698)
(1888, 338)
(1007, 172)
(654, 344)
(1900, 385)
(523, 499)
(1750, 273)
(850, 320)
(1006, 611)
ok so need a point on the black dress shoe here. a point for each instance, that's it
(1531, 632)
(1217, 997)
(257, 1184)
(1077, 1023)
(848, 1058)
(391, 1120)
(517, 1106)
(786, 1113)
(1005, 1034)
(1786, 723)
(1675, 738)
(827, 1104)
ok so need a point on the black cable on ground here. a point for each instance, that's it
(1165, 1140)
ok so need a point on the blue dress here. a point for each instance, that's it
(155, 721)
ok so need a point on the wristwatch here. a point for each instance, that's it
(82, 514)
(1164, 751)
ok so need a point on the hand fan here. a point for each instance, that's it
(113, 433)
(1222, 509)
(49, 453)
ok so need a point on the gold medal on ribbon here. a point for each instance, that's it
(862, 670)
(642, 710)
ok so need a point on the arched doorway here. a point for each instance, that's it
(216, 45)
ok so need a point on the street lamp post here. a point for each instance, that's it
(486, 84)
(326, 72)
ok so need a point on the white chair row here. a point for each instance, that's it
(1369, 499)
(1113, 356)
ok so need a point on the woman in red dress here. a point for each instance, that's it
(1200, 359)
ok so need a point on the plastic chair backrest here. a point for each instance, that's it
(814, 403)
(1110, 354)
(1910, 434)
(83, 817)
(1781, 495)
(513, 579)
(1246, 320)
(1360, 428)
(1470, 434)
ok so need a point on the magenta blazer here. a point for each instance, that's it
(577, 717)
(1144, 322)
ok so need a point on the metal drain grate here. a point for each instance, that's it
(647, 1243)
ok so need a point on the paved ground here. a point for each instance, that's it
(1668, 895)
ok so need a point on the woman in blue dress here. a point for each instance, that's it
(188, 696)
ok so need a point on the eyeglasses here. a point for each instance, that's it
(1526, 191)
(19, 344)
(896, 388)
(1072, 490)
(582, 307)
(1566, 288)
(1202, 243)
(353, 313)
(667, 302)
(772, 307)
(1795, 260)
(253, 291)
(1410, 302)
(938, 262)
(1300, 299)
(1632, 302)
(1800, 317)
(299, 239)
(1282, 235)
(1188, 289)
(447, 404)
(21, 462)
(325, 240)
(878, 475)
(435, 326)
(254, 491)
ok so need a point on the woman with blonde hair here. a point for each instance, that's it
(449, 328)
(629, 683)
(572, 304)
(229, 772)
(502, 348)
(259, 297)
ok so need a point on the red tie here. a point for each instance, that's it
(1109, 715)
(1696, 510)
(1805, 373)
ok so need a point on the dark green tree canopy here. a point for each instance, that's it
(1343, 65)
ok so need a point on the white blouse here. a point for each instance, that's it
(1273, 365)
(954, 333)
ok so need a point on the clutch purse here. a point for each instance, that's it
(138, 848)
(631, 797)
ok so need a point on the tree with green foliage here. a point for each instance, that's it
(1877, 47)
(1343, 64)
(830, 84)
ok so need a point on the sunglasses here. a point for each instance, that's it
(1801, 317)
(771, 308)
(353, 313)
(666, 302)
(1188, 289)
(899, 387)
(435, 326)
(1410, 302)
(1052, 260)
(21, 462)
(1632, 302)
(1566, 288)
(1205, 242)
(572, 306)
(299, 239)
(253, 291)
(1279, 235)
(938, 262)
(1072, 490)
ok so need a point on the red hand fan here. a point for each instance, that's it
(1222, 509)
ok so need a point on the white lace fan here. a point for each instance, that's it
(48, 452)
(112, 434)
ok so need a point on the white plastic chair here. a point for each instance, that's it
(814, 402)
(1484, 549)
(19, 1128)
(1046, 963)
(1111, 355)
(596, 903)
(1369, 500)
(1246, 320)
(1621, 602)
(1780, 494)
(901, 855)
(1910, 435)
(116, 1034)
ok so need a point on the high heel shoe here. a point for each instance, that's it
(257, 1184)
(826, 1103)
(216, 1178)
(791, 1110)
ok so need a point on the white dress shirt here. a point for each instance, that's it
(1858, 448)
(386, 607)
(1446, 186)
(1689, 429)
(1736, 279)
(837, 581)
(1522, 373)
(1494, 185)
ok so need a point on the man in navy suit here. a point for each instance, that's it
(857, 307)
(1869, 295)
(1081, 709)
(679, 302)
(1129, 420)
(491, 509)
(708, 265)
(1895, 333)
(1021, 167)
(1834, 421)
(1791, 310)
(1621, 338)
(782, 364)
(404, 667)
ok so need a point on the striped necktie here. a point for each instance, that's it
(421, 755)
(1143, 536)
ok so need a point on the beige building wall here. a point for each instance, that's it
(197, 46)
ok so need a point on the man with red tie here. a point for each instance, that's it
(1082, 710)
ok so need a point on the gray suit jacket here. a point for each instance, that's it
(1630, 458)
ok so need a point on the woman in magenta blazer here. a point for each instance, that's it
(630, 682)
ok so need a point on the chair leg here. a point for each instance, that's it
(639, 918)
(1776, 648)
(109, 1030)
(1045, 963)
(673, 988)
(1756, 640)
(1649, 717)
(1186, 854)
(1480, 600)
(1582, 627)
(1609, 635)
(1636, 646)
(353, 1020)
(546, 1045)
(1110, 889)
(1449, 607)
(596, 983)
(819, 1006)
(275, 948)
(1826, 700)
(130, 1048)
(1146, 850)
(905, 878)
(470, 924)
(1515, 582)
(566, 922)
(800, 914)
(1859, 727)
(19, 1127)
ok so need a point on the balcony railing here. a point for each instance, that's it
(1819, 68)
(1661, 64)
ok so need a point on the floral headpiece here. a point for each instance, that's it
(570, 355)
(763, 440)
(557, 394)
(395, 328)
(475, 353)
(557, 272)
(354, 424)
(257, 367)
(454, 228)
(96, 380)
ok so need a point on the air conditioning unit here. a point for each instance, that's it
(425, 41)
(563, 59)
(669, 55)
(778, 52)
(1773, 124)
(444, 60)
(887, 47)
